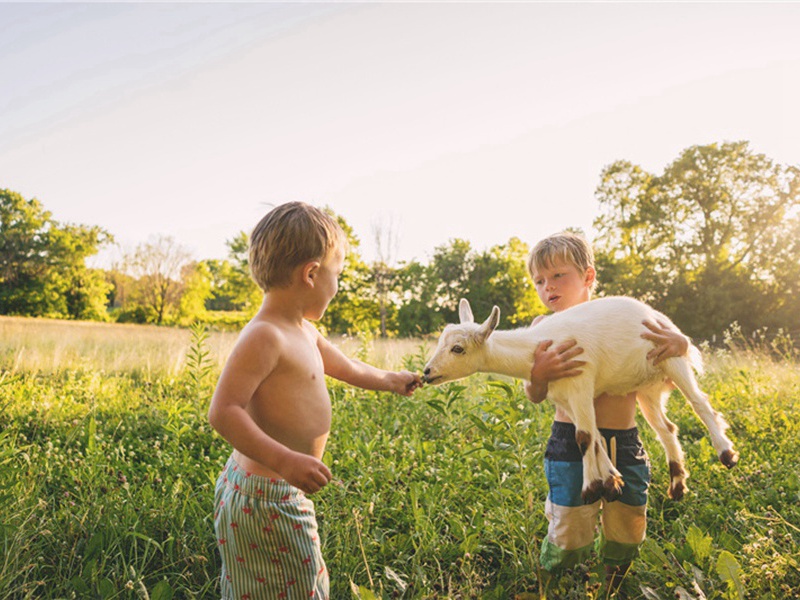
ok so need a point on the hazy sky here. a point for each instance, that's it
(474, 120)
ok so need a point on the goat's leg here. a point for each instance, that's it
(679, 370)
(600, 477)
(612, 481)
(652, 400)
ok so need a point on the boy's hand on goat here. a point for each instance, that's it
(668, 342)
(551, 363)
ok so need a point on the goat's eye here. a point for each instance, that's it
(457, 349)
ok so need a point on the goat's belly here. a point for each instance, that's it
(625, 383)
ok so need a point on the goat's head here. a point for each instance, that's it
(460, 350)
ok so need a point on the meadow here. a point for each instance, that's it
(107, 469)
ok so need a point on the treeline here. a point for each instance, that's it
(712, 240)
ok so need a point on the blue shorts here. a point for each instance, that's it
(571, 529)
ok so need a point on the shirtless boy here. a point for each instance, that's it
(271, 404)
(562, 268)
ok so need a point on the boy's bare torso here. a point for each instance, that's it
(292, 404)
(611, 412)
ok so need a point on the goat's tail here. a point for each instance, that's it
(696, 359)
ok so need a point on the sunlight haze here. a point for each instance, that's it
(477, 121)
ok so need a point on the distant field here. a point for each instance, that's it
(107, 467)
(48, 345)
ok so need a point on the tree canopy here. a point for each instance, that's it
(43, 268)
(711, 241)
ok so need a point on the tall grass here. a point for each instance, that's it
(107, 474)
(51, 345)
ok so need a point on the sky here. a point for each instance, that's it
(429, 121)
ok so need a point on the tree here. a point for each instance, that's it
(707, 241)
(383, 268)
(232, 287)
(500, 278)
(244, 291)
(429, 294)
(354, 308)
(157, 266)
(450, 270)
(196, 284)
(42, 263)
(417, 293)
(627, 251)
(220, 298)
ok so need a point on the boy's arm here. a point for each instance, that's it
(253, 358)
(668, 341)
(360, 374)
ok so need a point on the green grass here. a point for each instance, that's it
(107, 475)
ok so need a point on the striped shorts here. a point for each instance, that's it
(572, 524)
(267, 538)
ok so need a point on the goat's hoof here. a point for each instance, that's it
(676, 470)
(612, 488)
(729, 458)
(677, 490)
(593, 493)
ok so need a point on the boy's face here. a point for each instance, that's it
(561, 285)
(326, 281)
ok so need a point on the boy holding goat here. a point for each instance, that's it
(562, 268)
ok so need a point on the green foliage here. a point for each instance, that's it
(226, 320)
(354, 310)
(232, 287)
(134, 314)
(196, 278)
(198, 361)
(42, 263)
(416, 314)
(159, 266)
(106, 487)
(102, 500)
(710, 241)
(498, 276)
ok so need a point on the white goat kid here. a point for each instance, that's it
(609, 331)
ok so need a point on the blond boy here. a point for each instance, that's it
(562, 268)
(272, 405)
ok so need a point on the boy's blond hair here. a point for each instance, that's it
(288, 236)
(568, 247)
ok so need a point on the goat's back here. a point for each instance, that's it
(609, 331)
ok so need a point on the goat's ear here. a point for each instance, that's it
(490, 324)
(465, 312)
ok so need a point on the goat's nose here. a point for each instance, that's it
(427, 371)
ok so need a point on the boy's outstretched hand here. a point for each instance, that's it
(305, 472)
(404, 382)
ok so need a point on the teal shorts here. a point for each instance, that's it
(267, 538)
(571, 523)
